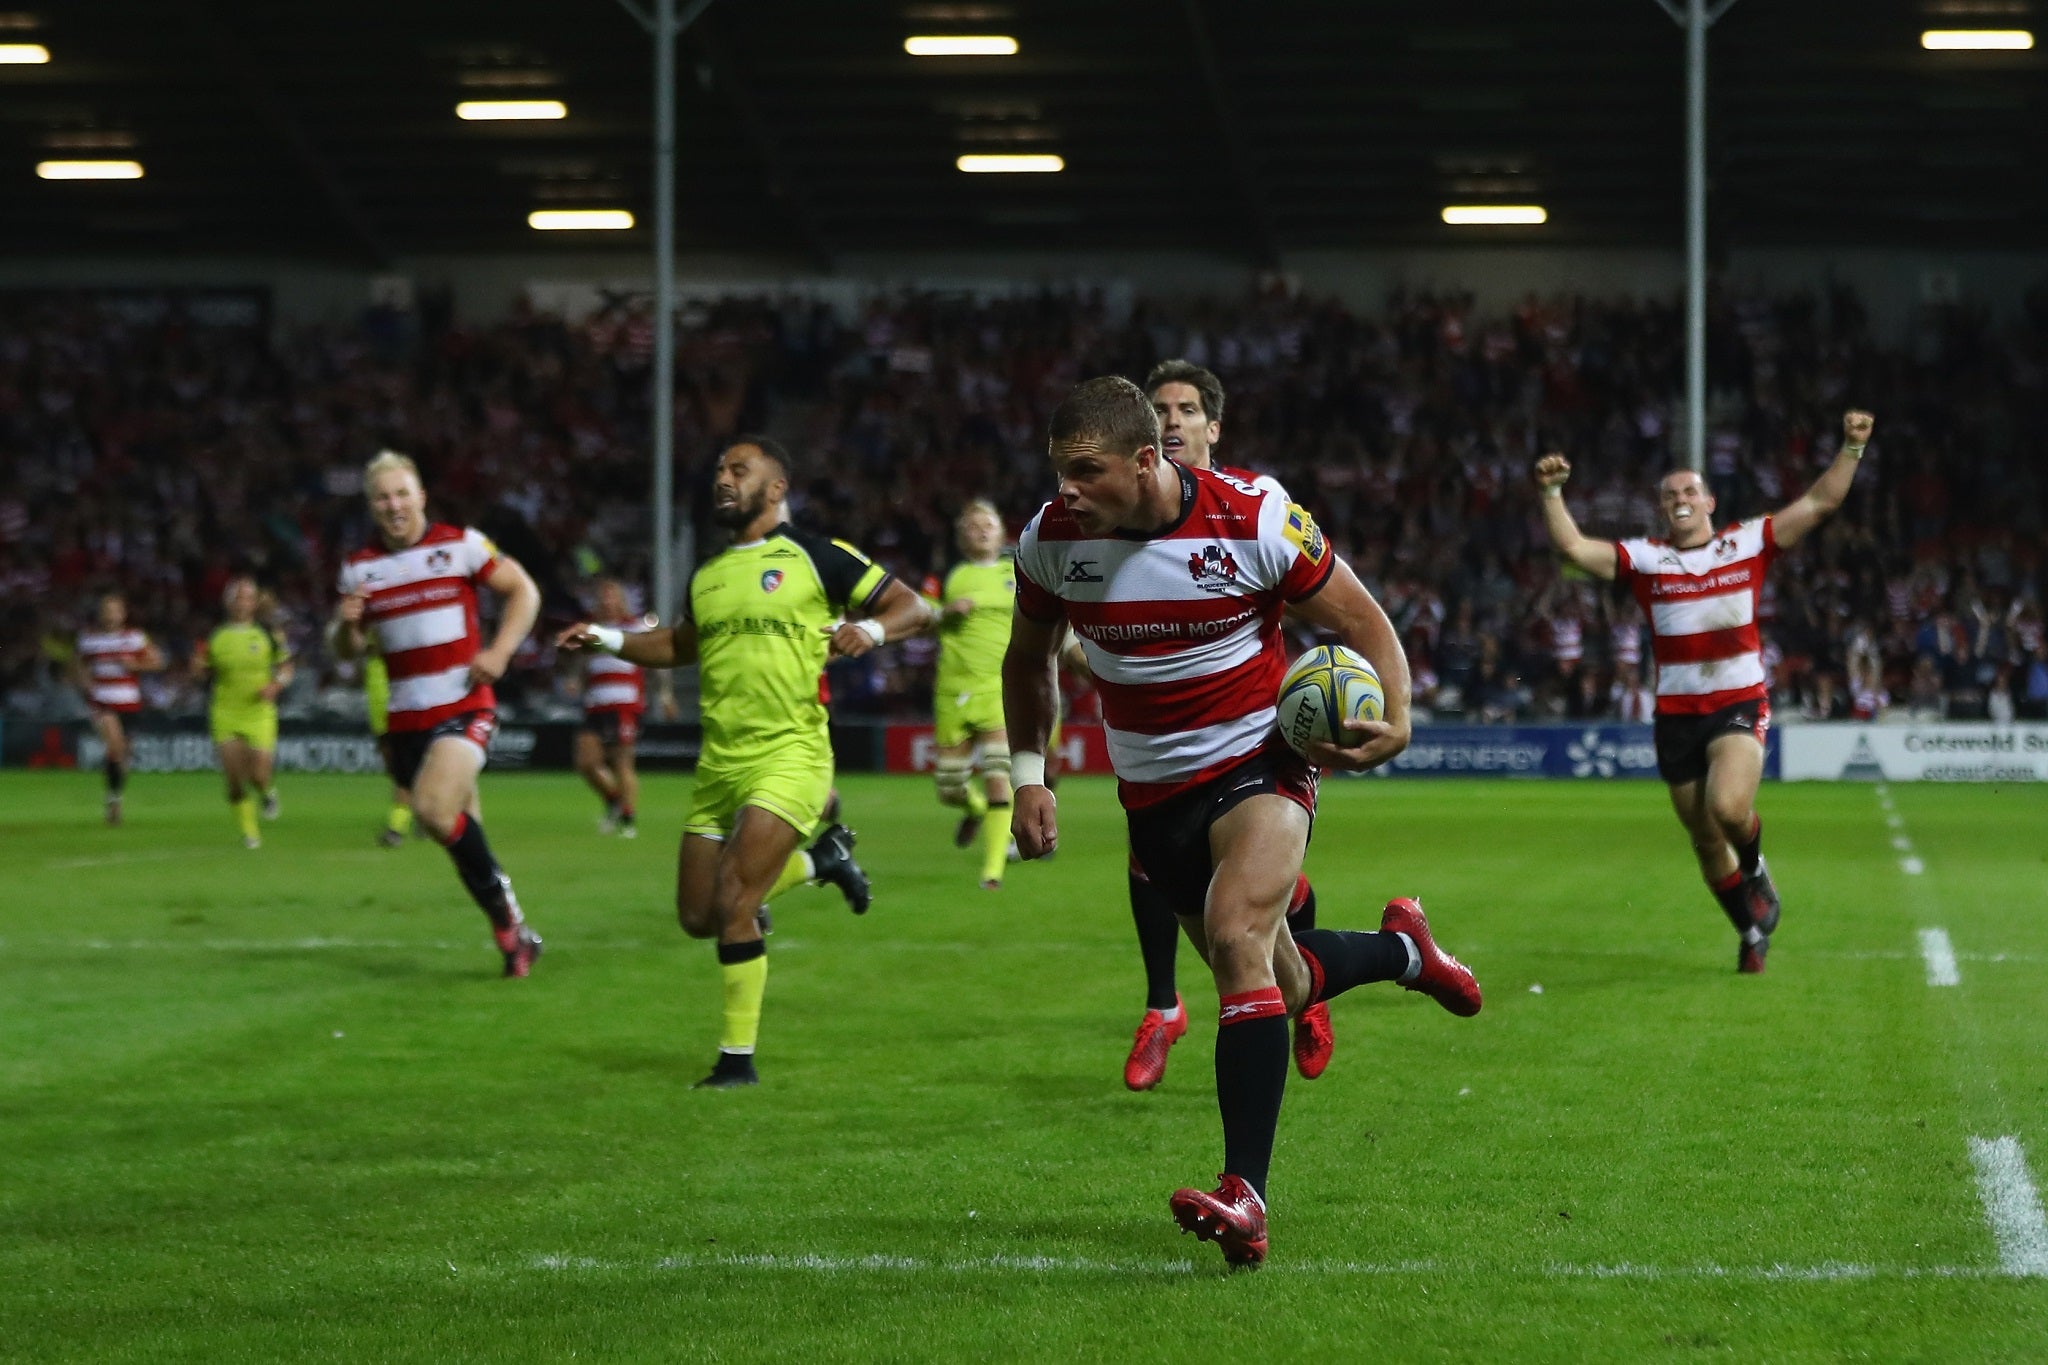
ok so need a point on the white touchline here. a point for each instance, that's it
(1902, 843)
(817, 1263)
(2011, 1205)
(1912, 867)
(1941, 958)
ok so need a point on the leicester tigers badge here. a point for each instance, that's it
(771, 580)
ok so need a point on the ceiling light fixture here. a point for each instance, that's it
(89, 170)
(579, 220)
(484, 111)
(23, 54)
(1977, 40)
(1494, 214)
(961, 45)
(986, 163)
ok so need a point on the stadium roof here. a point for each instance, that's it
(1250, 127)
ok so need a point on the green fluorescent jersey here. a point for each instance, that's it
(762, 611)
(242, 660)
(971, 647)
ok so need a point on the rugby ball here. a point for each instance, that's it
(1324, 688)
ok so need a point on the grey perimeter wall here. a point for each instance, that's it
(1893, 284)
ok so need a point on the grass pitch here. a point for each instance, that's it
(278, 1105)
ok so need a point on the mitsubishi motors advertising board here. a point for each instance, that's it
(1863, 752)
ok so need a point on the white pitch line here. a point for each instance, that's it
(1940, 956)
(1912, 867)
(819, 1264)
(124, 859)
(1902, 843)
(2011, 1205)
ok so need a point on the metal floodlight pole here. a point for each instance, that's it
(663, 25)
(1696, 22)
(1695, 18)
(664, 308)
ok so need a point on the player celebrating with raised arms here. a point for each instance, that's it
(1175, 580)
(415, 591)
(1700, 588)
(761, 620)
(975, 602)
(108, 658)
(250, 667)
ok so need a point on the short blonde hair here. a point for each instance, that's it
(979, 505)
(384, 463)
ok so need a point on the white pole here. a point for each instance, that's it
(664, 307)
(1696, 22)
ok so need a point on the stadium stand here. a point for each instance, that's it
(165, 453)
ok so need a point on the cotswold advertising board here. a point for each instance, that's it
(1863, 752)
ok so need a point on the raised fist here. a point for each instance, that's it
(1856, 427)
(1552, 470)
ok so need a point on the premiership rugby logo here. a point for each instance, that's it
(771, 580)
(1213, 568)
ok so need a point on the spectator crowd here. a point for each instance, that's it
(159, 452)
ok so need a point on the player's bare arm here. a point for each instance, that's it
(280, 678)
(670, 648)
(1030, 706)
(345, 636)
(1596, 557)
(898, 613)
(1344, 608)
(522, 609)
(1820, 502)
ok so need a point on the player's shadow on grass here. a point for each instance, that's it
(670, 1063)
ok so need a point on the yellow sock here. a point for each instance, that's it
(745, 983)
(399, 821)
(977, 803)
(245, 816)
(795, 872)
(995, 843)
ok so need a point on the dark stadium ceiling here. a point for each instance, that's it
(327, 130)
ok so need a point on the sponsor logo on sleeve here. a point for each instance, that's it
(1304, 535)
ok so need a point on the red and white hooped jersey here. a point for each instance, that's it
(1701, 604)
(1181, 628)
(612, 684)
(108, 658)
(423, 612)
(1264, 482)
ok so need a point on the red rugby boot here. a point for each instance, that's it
(1146, 1065)
(1314, 1040)
(1230, 1216)
(1443, 978)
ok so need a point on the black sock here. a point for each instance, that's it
(1302, 917)
(1158, 939)
(1347, 958)
(1751, 851)
(1734, 901)
(117, 777)
(732, 954)
(1251, 1078)
(479, 871)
